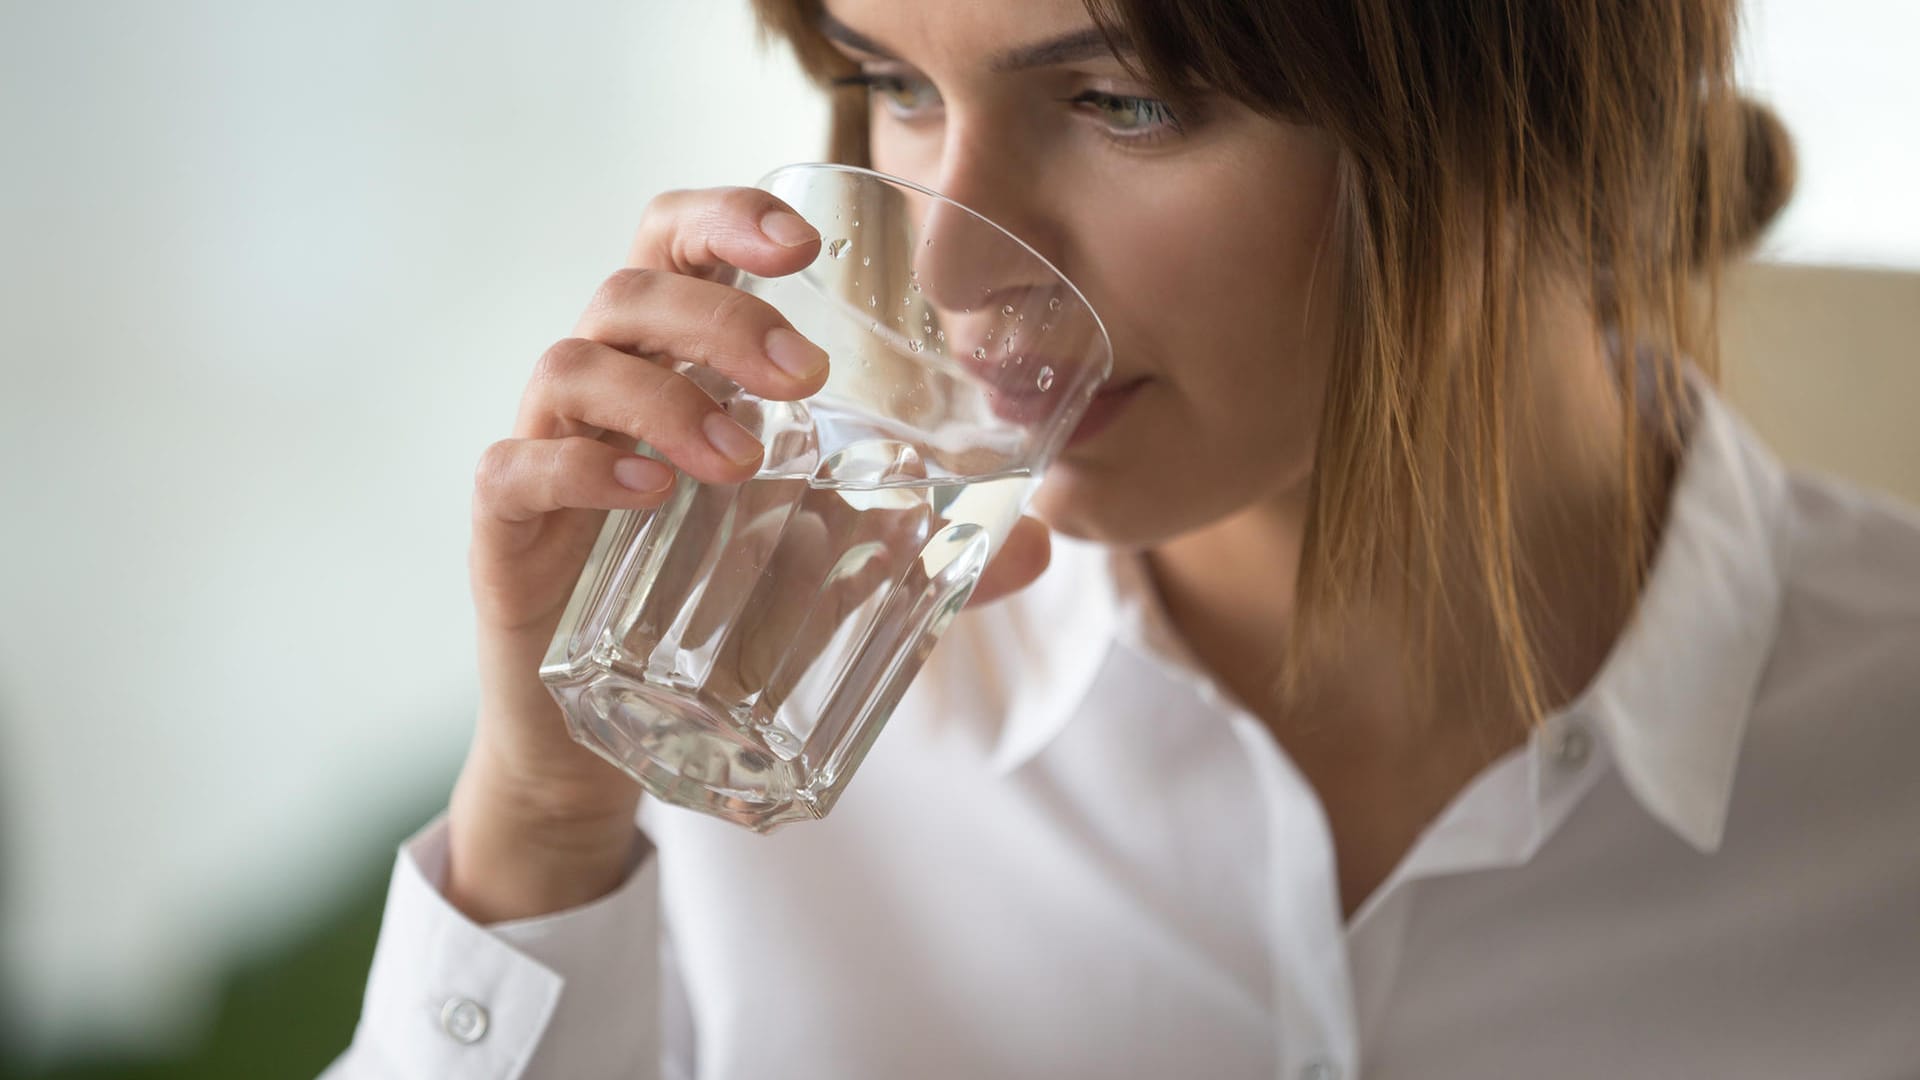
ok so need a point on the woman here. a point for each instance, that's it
(1432, 678)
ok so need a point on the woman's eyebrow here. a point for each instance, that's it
(1084, 44)
(1088, 44)
(835, 30)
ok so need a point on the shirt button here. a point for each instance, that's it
(1573, 748)
(464, 1020)
(1320, 1070)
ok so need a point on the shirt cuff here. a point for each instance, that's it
(574, 993)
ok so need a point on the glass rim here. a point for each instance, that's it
(1106, 340)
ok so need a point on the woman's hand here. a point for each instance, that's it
(537, 822)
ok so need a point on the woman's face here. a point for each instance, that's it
(1197, 237)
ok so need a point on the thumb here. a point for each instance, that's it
(1018, 562)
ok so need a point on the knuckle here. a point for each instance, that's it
(722, 212)
(490, 476)
(635, 416)
(576, 456)
(672, 409)
(657, 216)
(563, 360)
(733, 309)
(627, 285)
(745, 204)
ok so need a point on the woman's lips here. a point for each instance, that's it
(1030, 407)
(1023, 389)
(1102, 409)
(1017, 390)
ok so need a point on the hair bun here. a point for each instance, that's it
(1756, 180)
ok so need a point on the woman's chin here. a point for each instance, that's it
(1083, 507)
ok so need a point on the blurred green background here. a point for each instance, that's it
(287, 1011)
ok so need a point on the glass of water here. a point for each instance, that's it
(738, 649)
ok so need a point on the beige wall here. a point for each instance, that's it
(1825, 362)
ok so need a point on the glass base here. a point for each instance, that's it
(689, 752)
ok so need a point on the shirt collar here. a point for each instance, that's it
(1671, 700)
(1053, 638)
(1057, 635)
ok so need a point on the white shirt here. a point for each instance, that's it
(1071, 855)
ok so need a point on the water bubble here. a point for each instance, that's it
(1022, 316)
(837, 248)
(914, 274)
(906, 301)
(856, 223)
(1006, 309)
(966, 311)
(1045, 379)
(941, 334)
(1045, 326)
(979, 354)
(1053, 304)
(867, 260)
(874, 327)
(915, 345)
(915, 286)
(873, 301)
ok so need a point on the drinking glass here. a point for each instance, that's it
(738, 649)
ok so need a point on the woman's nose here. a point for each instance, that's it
(980, 262)
(976, 246)
(965, 261)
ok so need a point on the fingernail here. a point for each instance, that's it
(643, 474)
(734, 442)
(787, 229)
(794, 354)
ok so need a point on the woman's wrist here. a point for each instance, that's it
(517, 851)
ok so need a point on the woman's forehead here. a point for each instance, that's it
(997, 35)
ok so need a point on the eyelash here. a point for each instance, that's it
(1158, 118)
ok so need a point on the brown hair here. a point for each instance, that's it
(1483, 142)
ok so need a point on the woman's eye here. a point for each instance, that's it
(1129, 116)
(904, 97)
(1125, 116)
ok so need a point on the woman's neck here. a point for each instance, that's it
(1383, 747)
(1229, 587)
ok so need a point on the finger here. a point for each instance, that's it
(580, 386)
(1024, 556)
(658, 313)
(706, 233)
(519, 480)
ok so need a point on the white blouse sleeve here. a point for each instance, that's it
(575, 994)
